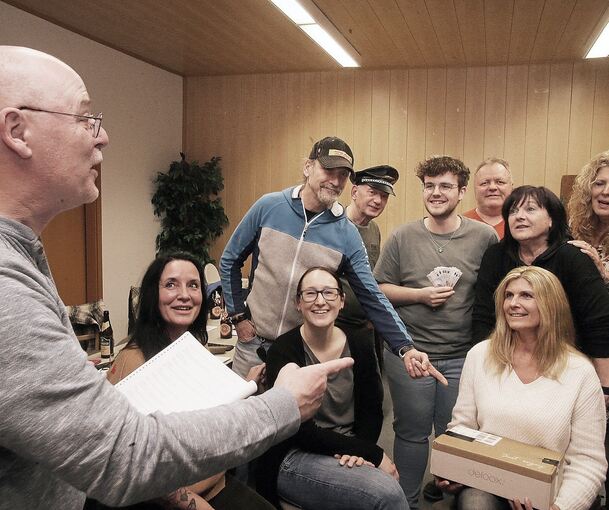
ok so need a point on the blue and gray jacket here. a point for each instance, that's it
(283, 245)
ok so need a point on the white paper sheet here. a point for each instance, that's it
(183, 377)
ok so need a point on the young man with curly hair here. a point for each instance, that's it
(438, 316)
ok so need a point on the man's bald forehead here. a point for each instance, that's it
(26, 74)
(490, 166)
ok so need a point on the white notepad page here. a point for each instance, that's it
(184, 376)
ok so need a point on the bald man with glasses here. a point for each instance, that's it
(66, 432)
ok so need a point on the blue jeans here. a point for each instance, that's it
(313, 481)
(417, 405)
(245, 355)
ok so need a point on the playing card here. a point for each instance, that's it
(443, 276)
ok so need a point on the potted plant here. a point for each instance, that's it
(187, 203)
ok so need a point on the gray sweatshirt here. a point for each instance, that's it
(66, 431)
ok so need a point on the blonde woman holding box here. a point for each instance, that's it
(528, 383)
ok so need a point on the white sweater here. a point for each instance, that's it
(565, 415)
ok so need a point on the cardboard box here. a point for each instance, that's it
(501, 466)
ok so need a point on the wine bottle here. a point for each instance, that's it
(106, 339)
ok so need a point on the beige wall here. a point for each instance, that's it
(547, 120)
(142, 108)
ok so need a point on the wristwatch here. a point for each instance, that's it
(403, 350)
(236, 319)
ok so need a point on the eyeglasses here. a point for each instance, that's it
(94, 121)
(310, 295)
(445, 187)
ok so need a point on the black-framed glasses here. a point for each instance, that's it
(310, 295)
(94, 120)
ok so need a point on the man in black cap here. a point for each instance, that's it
(369, 196)
(289, 232)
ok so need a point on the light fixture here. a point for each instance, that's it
(601, 46)
(332, 48)
(315, 24)
(294, 11)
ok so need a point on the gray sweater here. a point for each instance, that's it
(66, 431)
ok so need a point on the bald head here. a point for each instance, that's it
(48, 147)
(29, 76)
(493, 184)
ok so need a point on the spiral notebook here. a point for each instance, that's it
(184, 376)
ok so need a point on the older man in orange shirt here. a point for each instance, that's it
(492, 185)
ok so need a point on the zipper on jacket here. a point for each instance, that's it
(300, 241)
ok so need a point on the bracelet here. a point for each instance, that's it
(605, 390)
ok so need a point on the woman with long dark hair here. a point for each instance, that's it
(157, 324)
(172, 302)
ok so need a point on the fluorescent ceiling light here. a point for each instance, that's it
(294, 11)
(601, 47)
(327, 42)
(313, 25)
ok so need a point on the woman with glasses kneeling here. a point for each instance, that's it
(528, 383)
(333, 461)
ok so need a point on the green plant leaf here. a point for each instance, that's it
(185, 200)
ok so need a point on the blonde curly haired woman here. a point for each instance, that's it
(589, 212)
(589, 220)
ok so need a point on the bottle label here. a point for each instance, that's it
(226, 330)
(105, 348)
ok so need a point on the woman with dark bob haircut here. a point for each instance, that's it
(172, 302)
(537, 234)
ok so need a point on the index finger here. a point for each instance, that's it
(336, 365)
(434, 373)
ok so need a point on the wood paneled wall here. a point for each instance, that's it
(547, 120)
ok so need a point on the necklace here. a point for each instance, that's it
(440, 247)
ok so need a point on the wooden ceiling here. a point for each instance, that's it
(216, 37)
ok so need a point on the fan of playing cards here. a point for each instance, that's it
(444, 276)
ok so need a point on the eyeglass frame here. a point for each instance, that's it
(318, 292)
(444, 187)
(96, 118)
